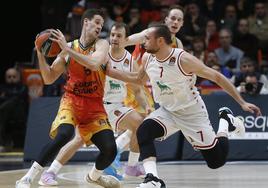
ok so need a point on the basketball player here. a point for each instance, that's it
(174, 21)
(81, 105)
(172, 73)
(122, 118)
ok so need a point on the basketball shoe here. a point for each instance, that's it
(48, 179)
(134, 171)
(105, 181)
(115, 169)
(23, 183)
(236, 125)
(151, 181)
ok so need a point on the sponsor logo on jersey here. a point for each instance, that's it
(172, 61)
(163, 87)
(113, 85)
(126, 63)
(85, 87)
(79, 91)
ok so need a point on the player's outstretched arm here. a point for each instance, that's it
(191, 64)
(137, 38)
(92, 61)
(139, 77)
(131, 77)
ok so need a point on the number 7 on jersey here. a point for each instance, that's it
(161, 71)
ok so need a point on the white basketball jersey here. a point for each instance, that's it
(172, 87)
(115, 90)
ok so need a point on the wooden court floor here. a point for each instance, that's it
(176, 175)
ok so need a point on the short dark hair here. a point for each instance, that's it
(90, 13)
(252, 74)
(118, 25)
(162, 30)
(175, 7)
(247, 60)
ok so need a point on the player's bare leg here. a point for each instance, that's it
(129, 124)
(48, 178)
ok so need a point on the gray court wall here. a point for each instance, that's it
(253, 147)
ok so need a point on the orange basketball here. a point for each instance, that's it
(47, 47)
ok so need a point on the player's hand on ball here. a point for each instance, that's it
(45, 45)
(57, 36)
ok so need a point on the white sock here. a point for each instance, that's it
(133, 158)
(33, 172)
(95, 174)
(123, 140)
(150, 167)
(55, 167)
(223, 126)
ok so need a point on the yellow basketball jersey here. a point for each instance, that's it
(130, 99)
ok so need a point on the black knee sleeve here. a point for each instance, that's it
(146, 133)
(216, 156)
(50, 150)
(105, 142)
